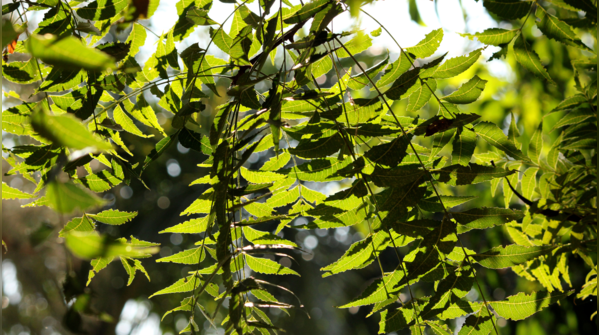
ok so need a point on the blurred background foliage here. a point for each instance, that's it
(38, 272)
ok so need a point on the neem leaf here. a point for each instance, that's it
(504, 257)
(529, 59)
(68, 52)
(495, 137)
(67, 197)
(113, 217)
(509, 9)
(494, 36)
(394, 70)
(13, 193)
(468, 92)
(89, 245)
(100, 10)
(428, 45)
(483, 218)
(77, 224)
(66, 130)
(454, 66)
(267, 266)
(521, 306)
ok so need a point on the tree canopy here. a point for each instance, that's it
(448, 173)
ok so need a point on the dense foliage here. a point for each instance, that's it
(404, 169)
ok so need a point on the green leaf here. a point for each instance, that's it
(89, 245)
(535, 146)
(357, 82)
(321, 66)
(574, 117)
(468, 92)
(125, 121)
(83, 224)
(264, 238)
(186, 284)
(377, 291)
(102, 9)
(137, 38)
(529, 182)
(68, 52)
(494, 36)
(267, 266)
(307, 11)
(189, 256)
(160, 148)
(315, 170)
(529, 59)
(480, 323)
(511, 255)
(389, 154)
(471, 174)
(522, 306)
(98, 264)
(455, 66)
(433, 205)
(359, 254)
(464, 144)
(260, 177)
(67, 197)
(131, 267)
(558, 30)
(483, 218)
(320, 148)
(23, 72)
(66, 130)
(13, 193)
(508, 9)
(495, 137)
(276, 162)
(394, 70)
(422, 95)
(113, 217)
(193, 226)
(356, 45)
(428, 45)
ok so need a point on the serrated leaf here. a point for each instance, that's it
(356, 45)
(66, 130)
(464, 144)
(471, 174)
(77, 224)
(102, 9)
(529, 182)
(455, 66)
(267, 266)
(468, 92)
(522, 306)
(67, 197)
(13, 193)
(495, 137)
(481, 323)
(494, 36)
(422, 95)
(394, 70)
(511, 255)
(432, 204)
(377, 291)
(189, 256)
(89, 245)
(428, 45)
(483, 218)
(113, 217)
(264, 238)
(508, 9)
(529, 59)
(307, 11)
(125, 121)
(186, 284)
(68, 52)
(359, 255)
